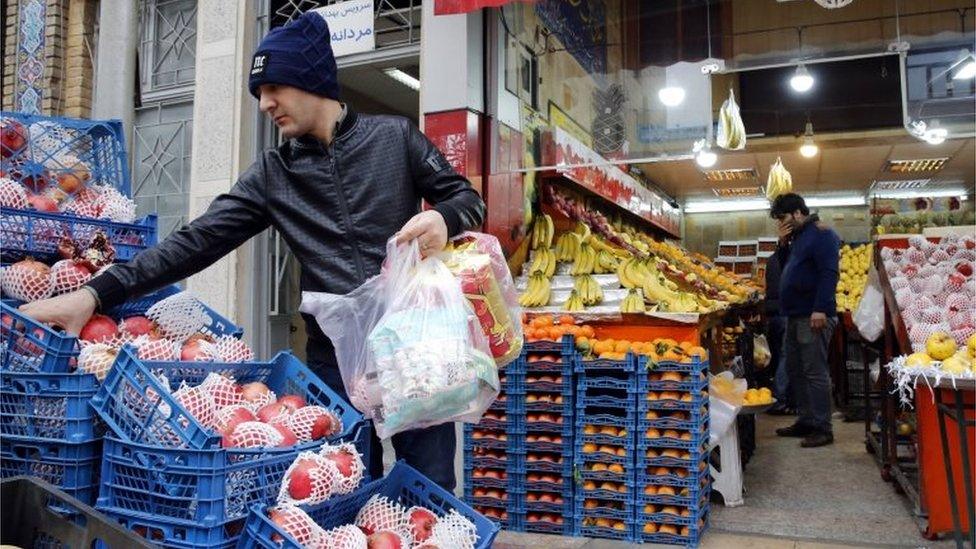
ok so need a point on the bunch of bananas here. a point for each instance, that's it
(634, 302)
(542, 232)
(574, 303)
(588, 289)
(568, 246)
(585, 260)
(599, 244)
(537, 291)
(606, 262)
(670, 298)
(632, 272)
(544, 262)
(731, 131)
(779, 181)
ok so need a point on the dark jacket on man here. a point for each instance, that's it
(810, 263)
(335, 206)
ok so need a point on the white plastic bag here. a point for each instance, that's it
(410, 349)
(731, 133)
(760, 352)
(869, 316)
(721, 414)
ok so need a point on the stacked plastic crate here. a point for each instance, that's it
(493, 453)
(547, 398)
(672, 457)
(605, 455)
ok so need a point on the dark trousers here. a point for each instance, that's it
(775, 332)
(806, 362)
(430, 451)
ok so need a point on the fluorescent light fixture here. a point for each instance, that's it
(403, 78)
(809, 148)
(965, 66)
(671, 96)
(833, 201)
(715, 206)
(923, 194)
(802, 80)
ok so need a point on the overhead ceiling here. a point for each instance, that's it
(844, 164)
(368, 89)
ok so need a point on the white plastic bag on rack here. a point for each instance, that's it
(869, 316)
(731, 133)
(410, 348)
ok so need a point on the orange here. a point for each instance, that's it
(587, 331)
(545, 320)
(621, 452)
(567, 319)
(698, 351)
(555, 333)
(622, 346)
(650, 528)
(616, 468)
(619, 526)
(650, 490)
(598, 467)
(603, 522)
(590, 485)
(589, 448)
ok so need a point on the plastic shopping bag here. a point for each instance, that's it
(411, 351)
(728, 388)
(721, 414)
(731, 131)
(869, 316)
(760, 352)
(476, 259)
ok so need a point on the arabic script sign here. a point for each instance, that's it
(351, 25)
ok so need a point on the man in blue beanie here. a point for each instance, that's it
(337, 189)
(809, 253)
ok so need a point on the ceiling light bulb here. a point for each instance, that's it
(706, 158)
(935, 134)
(671, 96)
(965, 66)
(809, 148)
(802, 81)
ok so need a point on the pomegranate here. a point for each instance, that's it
(313, 423)
(292, 402)
(28, 280)
(300, 478)
(136, 326)
(288, 438)
(256, 392)
(344, 460)
(43, 203)
(421, 523)
(223, 390)
(12, 194)
(99, 329)
(385, 539)
(229, 417)
(276, 412)
(156, 349)
(252, 434)
(68, 276)
(295, 522)
(195, 350)
(198, 403)
(13, 138)
(380, 513)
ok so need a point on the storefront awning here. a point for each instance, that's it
(448, 7)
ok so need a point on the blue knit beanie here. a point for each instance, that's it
(298, 54)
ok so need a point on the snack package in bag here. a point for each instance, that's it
(476, 259)
(410, 348)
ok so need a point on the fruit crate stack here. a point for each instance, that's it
(672, 457)
(547, 397)
(605, 455)
(493, 454)
(169, 476)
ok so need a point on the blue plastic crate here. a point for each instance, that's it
(547, 527)
(692, 462)
(626, 442)
(665, 366)
(558, 465)
(620, 510)
(698, 441)
(692, 518)
(206, 487)
(512, 519)
(47, 407)
(403, 484)
(503, 401)
(681, 386)
(51, 141)
(563, 367)
(689, 421)
(627, 366)
(180, 534)
(627, 534)
(123, 403)
(562, 485)
(566, 346)
(526, 385)
(626, 496)
(513, 422)
(605, 401)
(71, 467)
(691, 480)
(683, 497)
(564, 429)
(565, 447)
(29, 346)
(697, 403)
(566, 409)
(30, 233)
(627, 460)
(692, 539)
(500, 460)
(508, 499)
(624, 382)
(471, 480)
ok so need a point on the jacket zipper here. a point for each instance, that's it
(346, 218)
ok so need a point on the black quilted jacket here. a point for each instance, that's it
(335, 206)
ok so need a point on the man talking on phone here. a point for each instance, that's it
(809, 252)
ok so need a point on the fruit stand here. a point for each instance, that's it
(928, 349)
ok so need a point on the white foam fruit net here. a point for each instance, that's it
(346, 536)
(115, 206)
(261, 402)
(453, 530)
(179, 316)
(197, 402)
(158, 350)
(26, 284)
(85, 203)
(224, 415)
(302, 421)
(12, 194)
(222, 390)
(228, 348)
(320, 480)
(382, 513)
(66, 277)
(254, 434)
(345, 484)
(97, 359)
(296, 523)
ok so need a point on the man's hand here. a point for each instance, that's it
(818, 321)
(428, 228)
(785, 230)
(69, 311)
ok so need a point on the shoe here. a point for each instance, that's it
(795, 430)
(818, 439)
